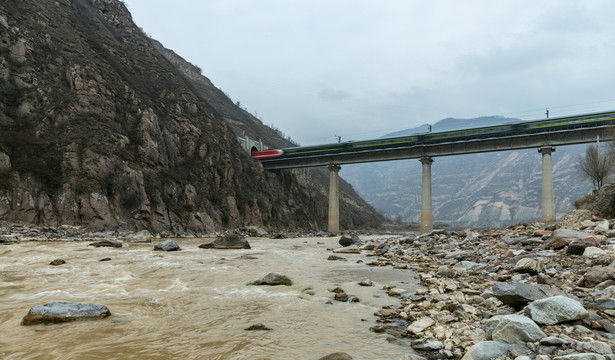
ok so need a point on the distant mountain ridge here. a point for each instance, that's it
(450, 123)
(482, 190)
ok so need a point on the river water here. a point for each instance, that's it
(194, 303)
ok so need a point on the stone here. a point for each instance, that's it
(517, 295)
(335, 257)
(469, 266)
(577, 247)
(351, 239)
(597, 347)
(433, 345)
(64, 311)
(418, 326)
(597, 274)
(57, 262)
(230, 241)
(273, 279)
(352, 249)
(591, 251)
(257, 327)
(512, 329)
(167, 245)
(256, 231)
(555, 310)
(143, 236)
(486, 350)
(553, 341)
(337, 356)
(366, 282)
(106, 243)
(529, 266)
(562, 237)
(582, 356)
(602, 304)
(602, 227)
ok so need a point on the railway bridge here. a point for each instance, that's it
(544, 135)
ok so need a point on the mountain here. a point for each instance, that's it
(482, 190)
(103, 127)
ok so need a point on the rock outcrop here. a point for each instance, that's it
(99, 128)
(64, 311)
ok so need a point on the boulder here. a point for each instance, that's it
(257, 327)
(352, 249)
(420, 325)
(256, 231)
(529, 266)
(57, 262)
(592, 251)
(517, 295)
(597, 274)
(427, 345)
(64, 311)
(486, 350)
(167, 245)
(337, 356)
(597, 347)
(143, 236)
(577, 247)
(230, 241)
(106, 243)
(512, 329)
(562, 237)
(580, 356)
(350, 239)
(555, 310)
(273, 279)
(602, 227)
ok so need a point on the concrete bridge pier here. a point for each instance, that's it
(548, 202)
(334, 198)
(426, 210)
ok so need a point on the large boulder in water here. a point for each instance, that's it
(230, 241)
(64, 311)
(167, 245)
(350, 239)
(273, 279)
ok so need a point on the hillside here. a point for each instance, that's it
(98, 128)
(484, 190)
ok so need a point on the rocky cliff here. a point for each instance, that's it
(98, 127)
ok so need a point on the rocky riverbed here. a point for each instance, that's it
(529, 291)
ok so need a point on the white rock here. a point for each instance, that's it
(420, 325)
(593, 251)
(486, 350)
(512, 329)
(584, 356)
(555, 310)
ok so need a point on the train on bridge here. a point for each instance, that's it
(510, 129)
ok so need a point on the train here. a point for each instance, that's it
(508, 129)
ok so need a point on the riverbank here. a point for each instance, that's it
(446, 294)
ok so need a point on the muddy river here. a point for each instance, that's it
(194, 303)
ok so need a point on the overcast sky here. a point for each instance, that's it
(361, 69)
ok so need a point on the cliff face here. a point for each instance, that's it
(97, 127)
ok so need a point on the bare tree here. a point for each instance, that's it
(596, 166)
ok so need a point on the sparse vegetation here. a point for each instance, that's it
(596, 165)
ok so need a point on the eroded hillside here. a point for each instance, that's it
(97, 127)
